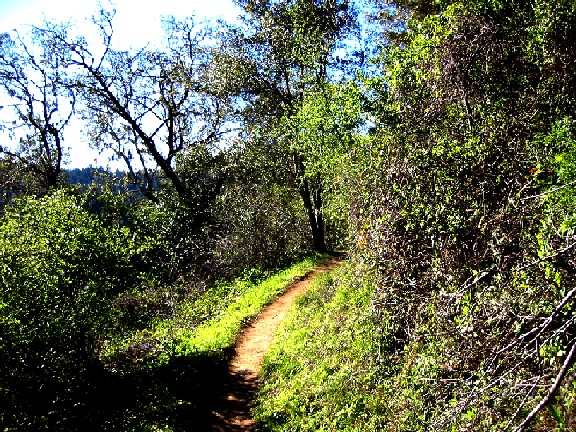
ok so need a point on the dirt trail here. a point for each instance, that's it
(233, 410)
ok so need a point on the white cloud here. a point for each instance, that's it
(135, 19)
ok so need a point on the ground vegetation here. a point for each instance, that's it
(444, 166)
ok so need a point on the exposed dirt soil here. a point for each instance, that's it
(232, 412)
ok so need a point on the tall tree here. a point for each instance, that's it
(39, 104)
(150, 107)
(283, 52)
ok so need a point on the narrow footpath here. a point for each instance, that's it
(232, 412)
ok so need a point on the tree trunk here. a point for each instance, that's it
(313, 205)
(312, 200)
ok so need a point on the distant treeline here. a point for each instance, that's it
(117, 180)
(89, 175)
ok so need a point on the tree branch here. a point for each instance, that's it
(551, 392)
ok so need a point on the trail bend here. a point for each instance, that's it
(232, 412)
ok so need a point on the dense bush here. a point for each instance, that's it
(246, 225)
(60, 271)
(464, 209)
(261, 227)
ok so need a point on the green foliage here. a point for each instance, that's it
(464, 207)
(453, 173)
(321, 373)
(325, 129)
(282, 63)
(60, 270)
(261, 225)
(180, 247)
(207, 324)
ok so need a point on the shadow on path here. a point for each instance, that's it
(232, 411)
(196, 393)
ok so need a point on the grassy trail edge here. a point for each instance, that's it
(219, 334)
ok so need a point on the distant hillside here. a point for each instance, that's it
(90, 175)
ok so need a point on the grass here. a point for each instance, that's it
(209, 324)
(321, 373)
(219, 333)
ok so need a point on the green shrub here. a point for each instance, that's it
(60, 270)
(321, 373)
(261, 227)
(465, 211)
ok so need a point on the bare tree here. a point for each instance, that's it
(39, 104)
(149, 106)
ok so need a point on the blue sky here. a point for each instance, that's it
(137, 23)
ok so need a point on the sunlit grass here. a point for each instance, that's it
(320, 373)
(219, 333)
(209, 324)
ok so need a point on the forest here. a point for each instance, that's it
(430, 142)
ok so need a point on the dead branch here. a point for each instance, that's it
(551, 392)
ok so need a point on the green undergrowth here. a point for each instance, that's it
(206, 324)
(321, 374)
